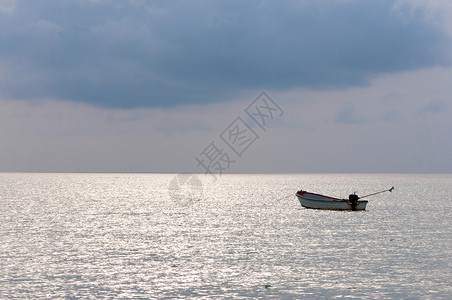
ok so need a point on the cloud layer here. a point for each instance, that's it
(126, 54)
(399, 123)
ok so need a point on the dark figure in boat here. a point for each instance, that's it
(353, 198)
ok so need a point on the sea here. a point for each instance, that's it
(230, 236)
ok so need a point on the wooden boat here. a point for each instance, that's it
(317, 201)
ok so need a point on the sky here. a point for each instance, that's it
(323, 86)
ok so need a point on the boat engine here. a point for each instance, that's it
(353, 198)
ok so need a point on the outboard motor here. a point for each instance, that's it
(353, 198)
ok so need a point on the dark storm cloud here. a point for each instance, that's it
(139, 53)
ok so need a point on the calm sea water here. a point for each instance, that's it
(140, 236)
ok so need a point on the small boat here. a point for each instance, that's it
(317, 201)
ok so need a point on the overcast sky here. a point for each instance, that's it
(158, 86)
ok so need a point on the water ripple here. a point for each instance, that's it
(120, 236)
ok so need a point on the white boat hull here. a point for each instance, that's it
(316, 201)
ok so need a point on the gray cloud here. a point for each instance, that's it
(138, 53)
(432, 108)
(348, 115)
(399, 123)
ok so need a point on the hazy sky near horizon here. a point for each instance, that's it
(147, 86)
